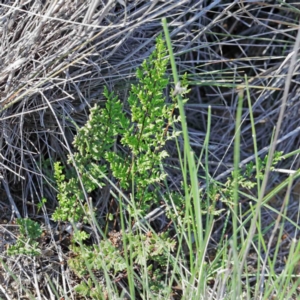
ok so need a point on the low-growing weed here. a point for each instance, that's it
(27, 243)
(137, 166)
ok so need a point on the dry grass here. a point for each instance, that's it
(56, 56)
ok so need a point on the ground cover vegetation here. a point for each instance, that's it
(149, 150)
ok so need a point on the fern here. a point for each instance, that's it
(143, 135)
(27, 243)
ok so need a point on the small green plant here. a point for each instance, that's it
(143, 134)
(147, 250)
(87, 289)
(248, 180)
(41, 204)
(262, 163)
(26, 243)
